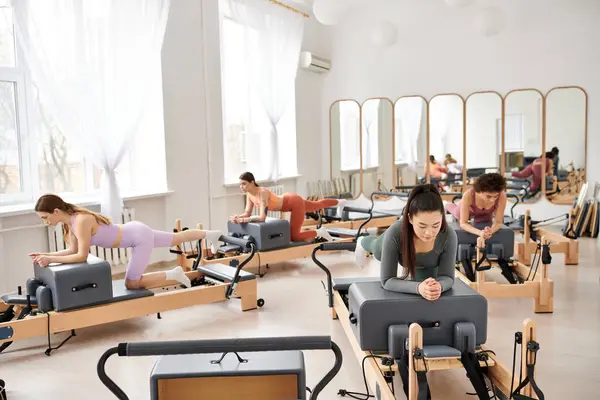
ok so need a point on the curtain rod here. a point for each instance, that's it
(289, 8)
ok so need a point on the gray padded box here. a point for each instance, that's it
(71, 284)
(272, 234)
(376, 309)
(505, 237)
(198, 368)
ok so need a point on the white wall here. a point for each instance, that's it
(545, 44)
(193, 139)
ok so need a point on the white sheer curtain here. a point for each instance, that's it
(273, 43)
(409, 120)
(92, 63)
(371, 133)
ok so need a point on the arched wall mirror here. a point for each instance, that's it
(523, 127)
(383, 145)
(483, 134)
(410, 140)
(345, 124)
(377, 119)
(566, 138)
(446, 141)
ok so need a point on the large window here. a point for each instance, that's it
(37, 158)
(246, 125)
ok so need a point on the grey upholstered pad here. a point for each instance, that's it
(272, 234)
(18, 299)
(259, 363)
(67, 283)
(224, 272)
(505, 237)
(376, 309)
(121, 293)
(343, 283)
(440, 351)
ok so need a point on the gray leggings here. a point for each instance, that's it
(373, 245)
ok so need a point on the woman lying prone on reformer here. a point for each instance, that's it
(83, 228)
(483, 203)
(421, 242)
(264, 200)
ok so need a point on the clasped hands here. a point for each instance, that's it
(41, 259)
(236, 219)
(486, 233)
(430, 289)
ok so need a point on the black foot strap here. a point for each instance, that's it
(532, 347)
(468, 267)
(424, 392)
(475, 374)
(50, 348)
(507, 271)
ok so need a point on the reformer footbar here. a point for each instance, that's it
(196, 347)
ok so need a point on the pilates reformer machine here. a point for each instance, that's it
(272, 241)
(532, 231)
(256, 368)
(396, 333)
(498, 252)
(257, 243)
(66, 297)
(575, 223)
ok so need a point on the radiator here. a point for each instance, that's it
(116, 257)
(277, 190)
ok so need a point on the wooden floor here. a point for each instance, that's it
(296, 305)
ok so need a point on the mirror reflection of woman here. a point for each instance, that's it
(534, 170)
(436, 170)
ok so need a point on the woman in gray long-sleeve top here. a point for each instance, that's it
(421, 242)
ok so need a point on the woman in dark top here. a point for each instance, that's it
(421, 242)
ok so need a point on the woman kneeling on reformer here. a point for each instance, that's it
(265, 200)
(484, 202)
(421, 242)
(83, 228)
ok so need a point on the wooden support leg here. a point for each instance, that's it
(544, 301)
(415, 341)
(529, 334)
(334, 314)
(572, 253)
(248, 294)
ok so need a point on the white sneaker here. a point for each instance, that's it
(360, 254)
(322, 232)
(340, 207)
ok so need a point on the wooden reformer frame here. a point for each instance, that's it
(186, 258)
(540, 289)
(558, 243)
(47, 323)
(500, 376)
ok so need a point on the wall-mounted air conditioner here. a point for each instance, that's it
(314, 63)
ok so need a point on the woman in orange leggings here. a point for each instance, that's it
(265, 200)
